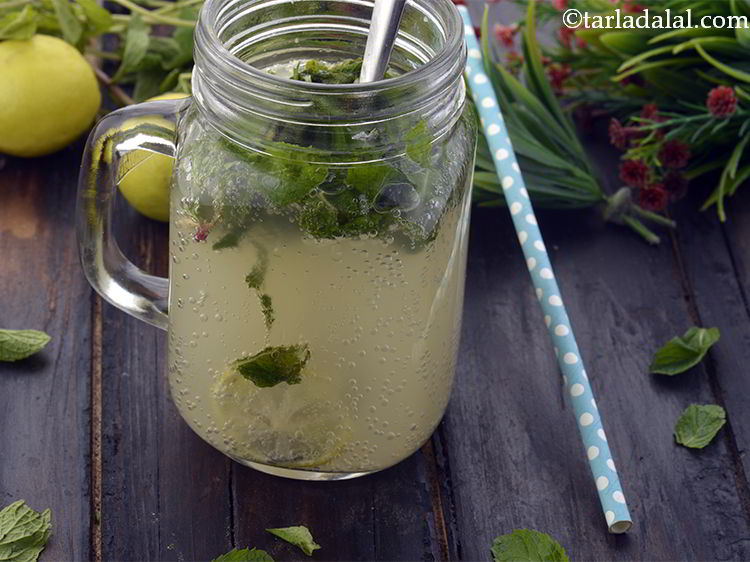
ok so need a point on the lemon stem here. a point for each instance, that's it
(117, 92)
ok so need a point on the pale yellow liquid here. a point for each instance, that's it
(382, 322)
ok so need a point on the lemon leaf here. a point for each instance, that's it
(136, 47)
(19, 25)
(70, 26)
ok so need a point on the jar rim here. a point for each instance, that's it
(445, 62)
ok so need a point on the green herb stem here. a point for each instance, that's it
(153, 16)
(117, 92)
(641, 229)
(176, 6)
(653, 217)
(14, 4)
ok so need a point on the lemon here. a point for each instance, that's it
(146, 175)
(282, 426)
(48, 95)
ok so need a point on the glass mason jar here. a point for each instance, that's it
(318, 233)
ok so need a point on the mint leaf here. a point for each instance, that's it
(274, 365)
(266, 306)
(19, 25)
(698, 425)
(244, 555)
(680, 354)
(229, 240)
(20, 344)
(99, 19)
(23, 532)
(344, 72)
(71, 27)
(298, 536)
(523, 545)
(136, 46)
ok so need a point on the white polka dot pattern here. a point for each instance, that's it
(545, 285)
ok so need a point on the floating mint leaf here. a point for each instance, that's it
(298, 536)
(344, 72)
(19, 25)
(680, 354)
(244, 555)
(20, 344)
(523, 545)
(266, 306)
(698, 425)
(274, 365)
(229, 240)
(23, 532)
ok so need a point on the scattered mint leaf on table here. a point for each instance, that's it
(698, 425)
(20, 344)
(274, 365)
(523, 545)
(23, 532)
(244, 555)
(299, 536)
(682, 353)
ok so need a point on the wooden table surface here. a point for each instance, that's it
(88, 429)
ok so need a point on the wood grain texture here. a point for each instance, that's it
(44, 400)
(386, 516)
(516, 459)
(716, 264)
(165, 493)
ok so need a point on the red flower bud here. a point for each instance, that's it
(653, 197)
(722, 102)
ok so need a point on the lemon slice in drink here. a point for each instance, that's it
(288, 425)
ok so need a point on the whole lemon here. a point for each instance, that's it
(146, 175)
(48, 95)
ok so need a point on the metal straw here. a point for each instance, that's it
(555, 317)
(386, 18)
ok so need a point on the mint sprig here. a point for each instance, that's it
(524, 545)
(299, 536)
(683, 353)
(20, 344)
(699, 424)
(23, 532)
(244, 555)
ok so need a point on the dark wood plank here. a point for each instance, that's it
(386, 516)
(716, 263)
(44, 400)
(165, 493)
(515, 456)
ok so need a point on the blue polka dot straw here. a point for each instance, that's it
(574, 375)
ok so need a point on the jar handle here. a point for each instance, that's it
(148, 126)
